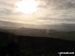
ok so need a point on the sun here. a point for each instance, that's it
(27, 6)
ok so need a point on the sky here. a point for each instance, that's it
(49, 12)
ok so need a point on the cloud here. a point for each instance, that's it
(58, 10)
(5, 11)
(49, 10)
(7, 6)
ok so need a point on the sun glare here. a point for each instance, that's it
(27, 6)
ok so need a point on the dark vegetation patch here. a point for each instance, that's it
(13, 45)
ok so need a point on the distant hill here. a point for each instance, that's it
(67, 35)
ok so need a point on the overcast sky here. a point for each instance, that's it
(50, 11)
